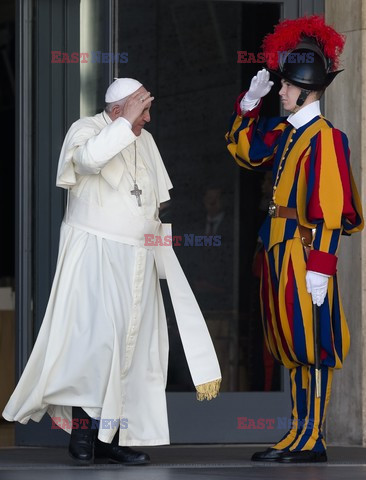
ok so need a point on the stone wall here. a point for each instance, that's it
(345, 103)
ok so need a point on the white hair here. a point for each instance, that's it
(109, 106)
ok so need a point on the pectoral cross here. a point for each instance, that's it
(137, 194)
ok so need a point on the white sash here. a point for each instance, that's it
(131, 230)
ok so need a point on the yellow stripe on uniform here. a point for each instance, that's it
(241, 149)
(237, 122)
(283, 280)
(301, 192)
(325, 240)
(286, 182)
(330, 184)
(289, 439)
(278, 321)
(299, 266)
(274, 338)
(308, 405)
(243, 145)
(319, 416)
(346, 339)
(270, 341)
(358, 205)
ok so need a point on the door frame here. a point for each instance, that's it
(37, 239)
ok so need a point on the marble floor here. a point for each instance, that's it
(191, 462)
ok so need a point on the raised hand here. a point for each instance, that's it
(259, 86)
(136, 104)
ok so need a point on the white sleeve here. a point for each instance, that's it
(96, 152)
(247, 105)
(126, 122)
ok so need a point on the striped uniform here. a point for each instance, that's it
(315, 178)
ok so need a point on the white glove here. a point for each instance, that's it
(317, 286)
(259, 87)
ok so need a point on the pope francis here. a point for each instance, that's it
(99, 365)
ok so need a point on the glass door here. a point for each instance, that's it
(187, 56)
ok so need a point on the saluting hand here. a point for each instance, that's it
(259, 86)
(136, 104)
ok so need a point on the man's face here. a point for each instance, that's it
(212, 201)
(140, 121)
(289, 94)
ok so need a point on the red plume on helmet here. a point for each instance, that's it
(289, 33)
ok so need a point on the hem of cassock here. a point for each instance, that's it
(9, 418)
(23, 420)
(141, 443)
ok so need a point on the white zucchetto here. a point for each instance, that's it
(121, 88)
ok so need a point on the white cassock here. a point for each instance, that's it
(103, 343)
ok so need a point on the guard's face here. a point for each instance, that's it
(140, 121)
(289, 94)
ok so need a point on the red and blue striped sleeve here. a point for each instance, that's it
(253, 140)
(332, 202)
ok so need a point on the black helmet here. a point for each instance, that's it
(305, 52)
(306, 66)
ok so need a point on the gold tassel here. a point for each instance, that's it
(208, 391)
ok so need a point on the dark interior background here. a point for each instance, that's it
(185, 53)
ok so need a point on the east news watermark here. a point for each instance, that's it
(186, 240)
(279, 423)
(290, 57)
(57, 56)
(84, 423)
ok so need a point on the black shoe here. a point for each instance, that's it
(269, 455)
(81, 446)
(116, 454)
(303, 456)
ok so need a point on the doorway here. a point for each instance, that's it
(186, 53)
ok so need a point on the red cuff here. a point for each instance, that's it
(250, 113)
(322, 262)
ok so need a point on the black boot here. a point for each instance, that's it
(269, 455)
(303, 456)
(81, 446)
(113, 453)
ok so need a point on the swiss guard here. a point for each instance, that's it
(314, 202)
